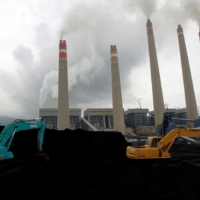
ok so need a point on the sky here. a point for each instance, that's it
(29, 38)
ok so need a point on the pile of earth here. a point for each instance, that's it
(1, 128)
(93, 165)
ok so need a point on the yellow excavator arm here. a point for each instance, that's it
(158, 147)
(167, 141)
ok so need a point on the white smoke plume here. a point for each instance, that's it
(148, 7)
(78, 18)
(139, 102)
(192, 8)
(49, 85)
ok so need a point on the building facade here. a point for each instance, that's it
(136, 117)
(51, 116)
(101, 118)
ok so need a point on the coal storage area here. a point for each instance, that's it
(1, 128)
(93, 165)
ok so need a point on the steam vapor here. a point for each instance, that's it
(49, 85)
(192, 7)
(147, 7)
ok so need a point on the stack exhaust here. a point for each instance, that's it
(118, 112)
(191, 105)
(155, 77)
(63, 99)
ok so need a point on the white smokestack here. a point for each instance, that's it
(118, 112)
(191, 105)
(155, 77)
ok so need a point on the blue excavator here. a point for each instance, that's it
(9, 131)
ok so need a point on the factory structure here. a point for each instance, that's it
(137, 120)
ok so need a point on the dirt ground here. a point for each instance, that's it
(93, 165)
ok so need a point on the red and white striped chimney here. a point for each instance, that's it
(118, 111)
(63, 99)
(191, 105)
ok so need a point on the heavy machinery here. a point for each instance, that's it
(7, 135)
(168, 124)
(157, 147)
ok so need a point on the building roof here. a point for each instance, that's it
(136, 110)
(54, 111)
(98, 111)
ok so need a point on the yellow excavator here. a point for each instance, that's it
(157, 147)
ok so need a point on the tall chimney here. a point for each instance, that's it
(158, 102)
(191, 105)
(118, 112)
(63, 99)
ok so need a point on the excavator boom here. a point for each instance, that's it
(7, 135)
(157, 147)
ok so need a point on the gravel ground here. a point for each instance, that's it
(93, 165)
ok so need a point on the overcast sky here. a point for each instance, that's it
(30, 34)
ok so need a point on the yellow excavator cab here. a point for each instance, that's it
(151, 151)
(152, 141)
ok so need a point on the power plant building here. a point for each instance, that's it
(136, 117)
(51, 117)
(115, 118)
(101, 118)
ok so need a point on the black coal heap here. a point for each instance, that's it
(93, 165)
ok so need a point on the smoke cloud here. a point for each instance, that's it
(147, 7)
(192, 8)
(90, 29)
(49, 85)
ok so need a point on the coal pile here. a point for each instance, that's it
(84, 146)
(1, 128)
(93, 165)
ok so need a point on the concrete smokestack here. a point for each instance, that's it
(63, 99)
(191, 105)
(155, 77)
(118, 112)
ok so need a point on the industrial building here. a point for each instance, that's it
(136, 117)
(137, 120)
(101, 118)
(181, 114)
(115, 118)
(151, 115)
(51, 117)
